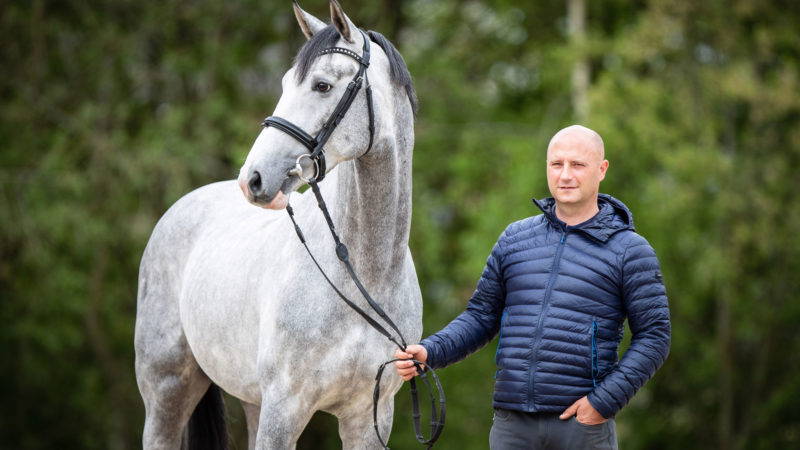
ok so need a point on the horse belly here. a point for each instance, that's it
(220, 313)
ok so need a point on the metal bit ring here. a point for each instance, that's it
(298, 169)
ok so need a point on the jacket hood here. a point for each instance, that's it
(613, 217)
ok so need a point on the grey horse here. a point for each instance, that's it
(228, 298)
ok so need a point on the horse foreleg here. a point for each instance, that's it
(169, 378)
(169, 400)
(251, 412)
(281, 421)
(356, 430)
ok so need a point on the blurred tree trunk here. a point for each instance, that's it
(724, 338)
(99, 343)
(576, 17)
(394, 9)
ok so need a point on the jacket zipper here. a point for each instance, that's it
(537, 337)
(595, 369)
(500, 338)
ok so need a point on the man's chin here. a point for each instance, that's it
(567, 198)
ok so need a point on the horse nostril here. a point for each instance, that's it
(255, 183)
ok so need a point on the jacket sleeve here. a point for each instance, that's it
(645, 302)
(477, 325)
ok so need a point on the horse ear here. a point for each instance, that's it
(342, 23)
(308, 23)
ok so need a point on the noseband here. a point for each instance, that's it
(315, 144)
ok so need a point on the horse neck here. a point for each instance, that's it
(374, 198)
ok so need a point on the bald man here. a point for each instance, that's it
(557, 288)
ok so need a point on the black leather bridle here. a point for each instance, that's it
(315, 145)
(317, 156)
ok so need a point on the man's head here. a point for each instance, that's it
(575, 167)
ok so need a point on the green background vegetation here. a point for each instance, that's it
(111, 110)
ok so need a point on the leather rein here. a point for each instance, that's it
(317, 156)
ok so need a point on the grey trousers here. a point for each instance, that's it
(515, 430)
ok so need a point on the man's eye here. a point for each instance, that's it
(322, 87)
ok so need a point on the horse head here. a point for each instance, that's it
(280, 160)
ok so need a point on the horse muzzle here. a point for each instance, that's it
(258, 191)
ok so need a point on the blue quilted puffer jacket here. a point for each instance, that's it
(559, 295)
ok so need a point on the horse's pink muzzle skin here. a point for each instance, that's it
(280, 201)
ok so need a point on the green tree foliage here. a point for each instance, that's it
(111, 110)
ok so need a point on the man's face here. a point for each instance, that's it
(575, 167)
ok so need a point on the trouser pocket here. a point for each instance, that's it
(596, 437)
(501, 414)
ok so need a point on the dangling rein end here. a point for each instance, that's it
(437, 420)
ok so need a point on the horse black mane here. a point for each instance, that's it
(328, 37)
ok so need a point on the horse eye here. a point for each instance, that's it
(322, 87)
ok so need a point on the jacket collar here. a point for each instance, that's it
(613, 217)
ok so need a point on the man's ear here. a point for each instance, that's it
(603, 169)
